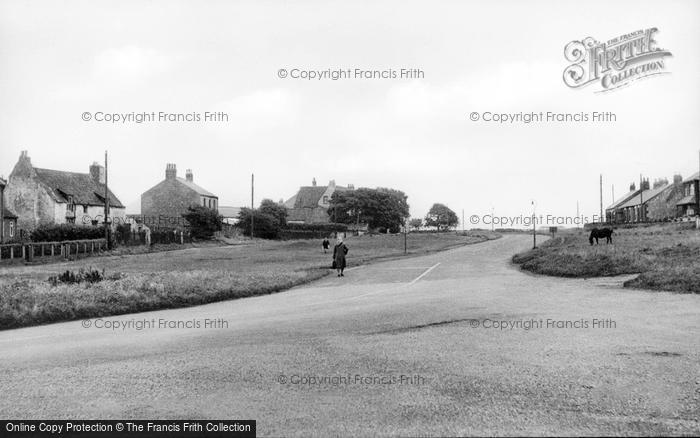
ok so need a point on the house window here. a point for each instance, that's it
(204, 202)
(12, 229)
(325, 199)
(85, 209)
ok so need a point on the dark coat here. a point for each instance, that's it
(339, 252)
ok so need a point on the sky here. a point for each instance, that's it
(60, 59)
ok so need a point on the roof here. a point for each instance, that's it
(6, 213)
(196, 188)
(229, 212)
(692, 177)
(623, 199)
(646, 196)
(308, 196)
(81, 186)
(687, 200)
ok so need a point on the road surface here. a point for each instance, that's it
(403, 347)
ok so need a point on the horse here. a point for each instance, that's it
(597, 233)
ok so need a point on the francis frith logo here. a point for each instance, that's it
(615, 63)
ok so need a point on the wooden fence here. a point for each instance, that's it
(35, 251)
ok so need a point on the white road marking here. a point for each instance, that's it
(424, 273)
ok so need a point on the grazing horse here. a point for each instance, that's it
(597, 233)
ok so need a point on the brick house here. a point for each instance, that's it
(650, 204)
(310, 204)
(689, 205)
(46, 197)
(174, 195)
(8, 220)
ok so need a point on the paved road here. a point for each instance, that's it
(328, 358)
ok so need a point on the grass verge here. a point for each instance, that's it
(666, 257)
(145, 282)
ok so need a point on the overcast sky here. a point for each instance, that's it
(62, 58)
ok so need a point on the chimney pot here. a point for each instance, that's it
(97, 172)
(170, 171)
(189, 176)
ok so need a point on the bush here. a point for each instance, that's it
(70, 277)
(63, 232)
(327, 228)
(204, 222)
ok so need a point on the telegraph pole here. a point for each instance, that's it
(106, 221)
(641, 198)
(405, 236)
(601, 199)
(534, 226)
(252, 205)
(462, 221)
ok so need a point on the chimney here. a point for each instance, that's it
(188, 175)
(351, 186)
(645, 184)
(331, 183)
(24, 156)
(660, 182)
(170, 171)
(633, 187)
(97, 172)
(313, 182)
(677, 179)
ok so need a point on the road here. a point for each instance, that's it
(403, 347)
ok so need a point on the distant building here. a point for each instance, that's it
(44, 196)
(689, 205)
(649, 204)
(310, 204)
(8, 220)
(174, 195)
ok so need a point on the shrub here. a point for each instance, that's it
(204, 222)
(82, 276)
(63, 232)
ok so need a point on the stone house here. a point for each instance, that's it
(689, 204)
(8, 220)
(172, 197)
(45, 197)
(649, 204)
(310, 204)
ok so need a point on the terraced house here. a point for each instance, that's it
(45, 196)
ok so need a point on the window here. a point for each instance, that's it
(325, 199)
(204, 202)
(85, 209)
(12, 229)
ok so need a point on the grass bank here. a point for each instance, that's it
(143, 282)
(666, 257)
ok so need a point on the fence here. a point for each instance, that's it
(33, 251)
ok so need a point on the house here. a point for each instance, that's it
(614, 214)
(45, 197)
(310, 204)
(8, 220)
(689, 205)
(172, 197)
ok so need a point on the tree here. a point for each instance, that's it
(441, 217)
(204, 221)
(277, 210)
(416, 223)
(266, 225)
(381, 208)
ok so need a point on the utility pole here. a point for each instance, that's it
(641, 198)
(405, 236)
(462, 221)
(601, 199)
(106, 221)
(578, 215)
(492, 213)
(252, 205)
(534, 226)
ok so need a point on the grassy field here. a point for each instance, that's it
(667, 257)
(143, 282)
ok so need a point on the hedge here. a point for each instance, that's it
(62, 232)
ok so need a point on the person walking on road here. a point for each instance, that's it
(326, 244)
(339, 252)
